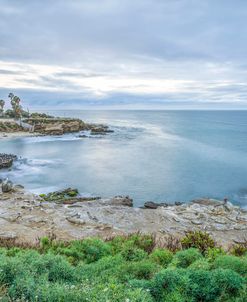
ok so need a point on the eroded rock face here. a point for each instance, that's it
(27, 217)
(59, 126)
(121, 201)
(10, 126)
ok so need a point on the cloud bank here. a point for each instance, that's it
(143, 53)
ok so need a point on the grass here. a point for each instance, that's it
(122, 269)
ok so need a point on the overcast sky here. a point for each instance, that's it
(132, 53)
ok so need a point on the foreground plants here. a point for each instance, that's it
(121, 269)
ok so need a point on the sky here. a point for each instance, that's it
(131, 54)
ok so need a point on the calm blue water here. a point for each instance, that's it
(153, 155)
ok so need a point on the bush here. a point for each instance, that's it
(161, 256)
(186, 257)
(137, 270)
(166, 282)
(140, 241)
(89, 250)
(234, 263)
(212, 253)
(210, 286)
(201, 264)
(239, 249)
(133, 254)
(199, 240)
(93, 270)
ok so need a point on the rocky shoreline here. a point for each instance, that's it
(39, 125)
(25, 217)
(6, 160)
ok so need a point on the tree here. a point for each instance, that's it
(15, 103)
(2, 103)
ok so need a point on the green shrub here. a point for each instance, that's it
(210, 286)
(198, 239)
(234, 263)
(212, 253)
(45, 243)
(161, 256)
(201, 264)
(140, 241)
(130, 253)
(167, 281)
(186, 257)
(227, 282)
(137, 270)
(102, 270)
(239, 249)
(89, 250)
(175, 296)
(97, 271)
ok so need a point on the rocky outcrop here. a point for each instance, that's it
(100, 130)
(154, 205)
(67, 196)
(7, 186)
(121, 201)
(59, 126)
(10, 126)
(55, 126)
(29, 217)
(6, 160)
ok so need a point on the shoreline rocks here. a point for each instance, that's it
(30, 216)
(6, 185)
(60, 126)
(154, 205)
(6, 160)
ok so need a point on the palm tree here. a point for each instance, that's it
(2, 103)
(15, 103)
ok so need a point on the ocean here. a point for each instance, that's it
(162, 156)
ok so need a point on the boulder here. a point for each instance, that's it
(6, 160)
(154, 205)
(100, 130)
(7, 186)
(53, 130)
(121, 201)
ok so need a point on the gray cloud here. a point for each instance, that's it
(100, 48)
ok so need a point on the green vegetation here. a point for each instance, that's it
(199, 240)
(60, 196)
(124, 269)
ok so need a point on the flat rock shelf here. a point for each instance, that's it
(26, 217)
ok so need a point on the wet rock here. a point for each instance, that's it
(121, 201)
(7, 186)
(154, 205)
(102, 130)
(178, 203)
(6, 160)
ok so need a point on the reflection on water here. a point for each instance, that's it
(161, 156)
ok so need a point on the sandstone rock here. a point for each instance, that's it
(101, 130)
(53, 130)
(154, 205)
(121, 201)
